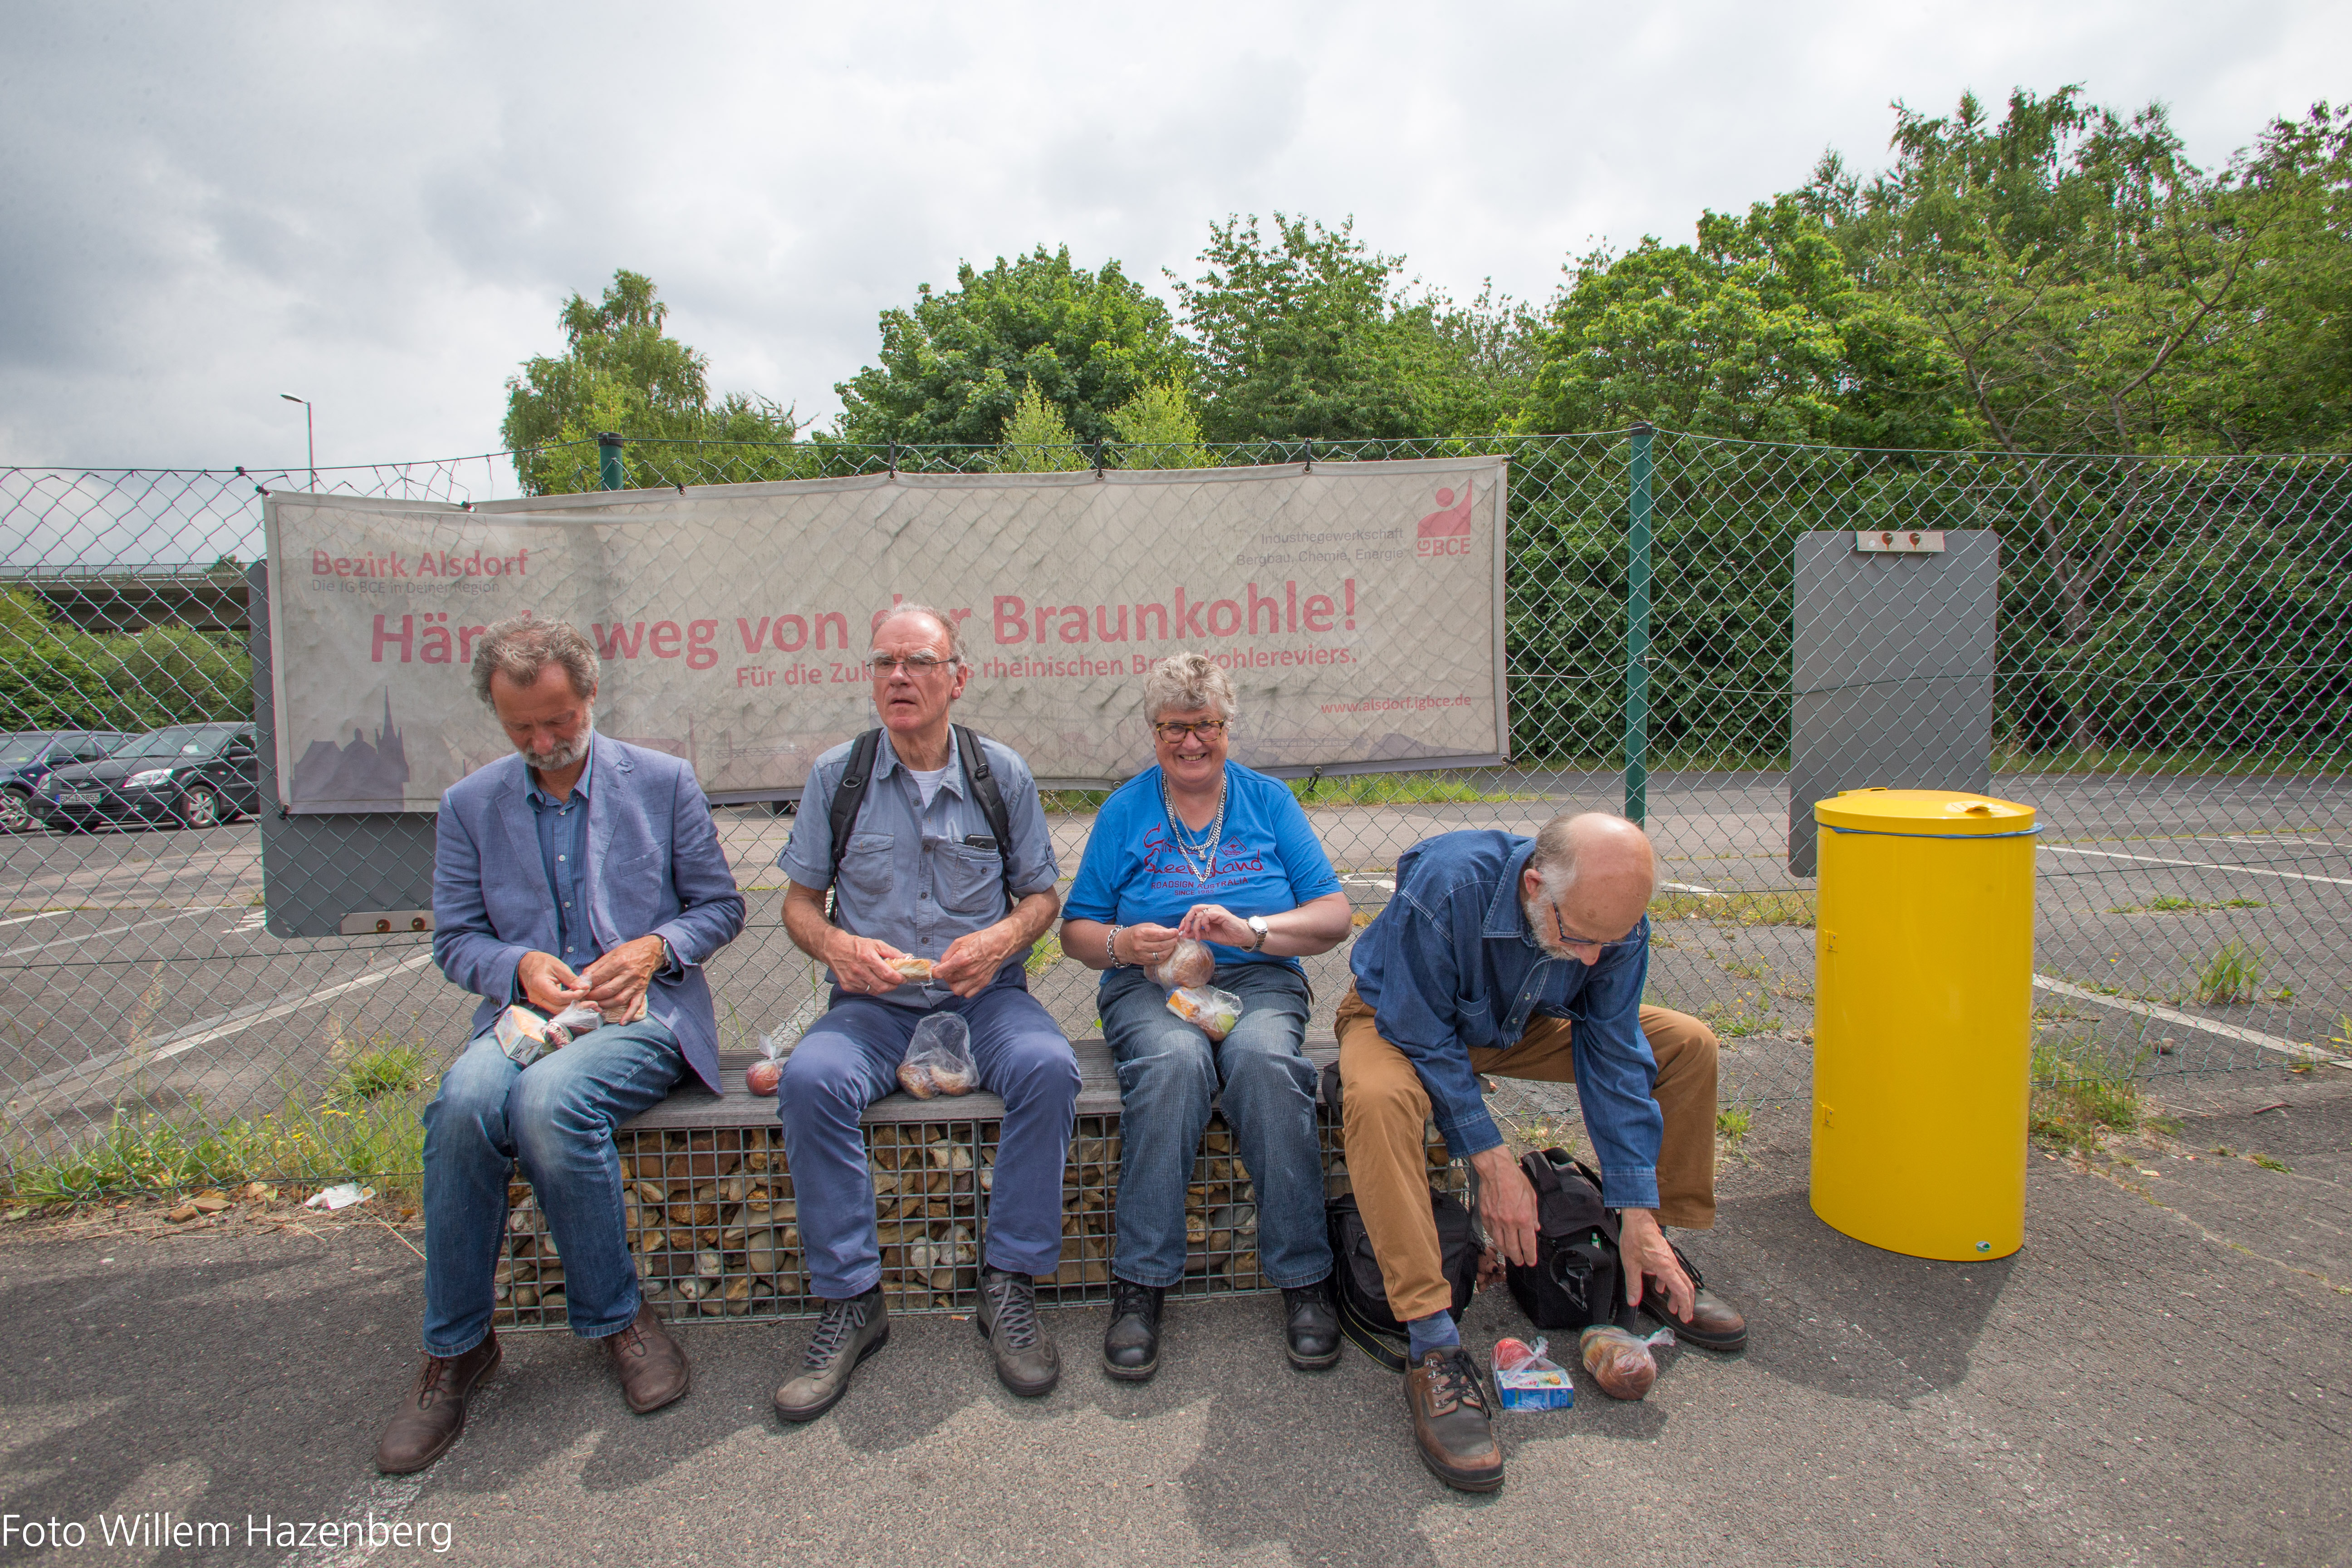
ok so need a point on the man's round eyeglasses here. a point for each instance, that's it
(883, 664)
(1210, 727)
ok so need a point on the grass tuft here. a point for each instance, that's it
(2167, 904)
(2230, 975)
(2081, 1096)
(1731, 1124)
(381, 1070)
(1392, 789)
(1793, 907)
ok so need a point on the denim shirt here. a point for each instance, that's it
(1450, 966)
(908, 876)
(563, 849)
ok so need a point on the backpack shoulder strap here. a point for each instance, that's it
(848, 797)
(992, 803)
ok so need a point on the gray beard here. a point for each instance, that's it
(563, 756)
(1538, 913)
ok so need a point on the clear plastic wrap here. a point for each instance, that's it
(1214, 1011)
(1621, 1361)
(939, 1058)
(1191, 964)
(1526, 1379)
(571, 1023)
(912, 968)
(763, 1076)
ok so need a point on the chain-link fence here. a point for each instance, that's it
(2171, 692)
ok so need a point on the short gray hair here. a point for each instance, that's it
(1188, 680)
(909, 608)
(521, 648)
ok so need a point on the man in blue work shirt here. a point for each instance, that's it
(1526, 957)
(922, 877)
(579, 870)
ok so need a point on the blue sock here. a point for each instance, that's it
(1436, 1331)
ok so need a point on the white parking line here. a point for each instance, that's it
(238, 1023)
(44, 915)
(1691, 888)
(2201, 864)
(2295, 842)
(2301, 1053)
(118, 930)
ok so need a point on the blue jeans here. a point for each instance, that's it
(556, 1117)
(850, 1058)
(1168, 1070)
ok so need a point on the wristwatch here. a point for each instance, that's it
(1257, 923)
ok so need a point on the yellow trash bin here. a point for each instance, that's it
(1923, 1013)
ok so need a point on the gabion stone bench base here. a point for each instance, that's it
(713, 1228)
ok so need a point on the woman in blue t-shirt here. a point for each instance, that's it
(1200, 847)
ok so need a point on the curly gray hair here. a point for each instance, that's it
(1184, 681)
(521, 648)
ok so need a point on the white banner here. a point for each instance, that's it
(1357, 606)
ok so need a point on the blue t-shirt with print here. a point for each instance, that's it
(1268, 860)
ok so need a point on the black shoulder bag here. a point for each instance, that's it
(1575, 1280)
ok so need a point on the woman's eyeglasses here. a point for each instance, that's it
(1206, 728)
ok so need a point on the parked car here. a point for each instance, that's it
(194, 774)
(26, 759)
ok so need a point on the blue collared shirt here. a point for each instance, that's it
(908, 877)
(1450, 965)
(563, 850)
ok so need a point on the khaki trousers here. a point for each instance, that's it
(1384, 1113)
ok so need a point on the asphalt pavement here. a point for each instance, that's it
(2163, 1376)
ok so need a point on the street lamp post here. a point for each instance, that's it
(309, 434)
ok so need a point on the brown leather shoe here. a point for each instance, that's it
(1452, 1422)
(433, 1415)
(1714, 1323)
(652, 1364)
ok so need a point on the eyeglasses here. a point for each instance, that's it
(1206, 728)
(1560, 925)
(882, 664)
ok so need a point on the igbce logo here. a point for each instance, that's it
(1445, 532)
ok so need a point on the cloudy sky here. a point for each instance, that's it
(380, 208)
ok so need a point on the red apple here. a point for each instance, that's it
(760, 1076)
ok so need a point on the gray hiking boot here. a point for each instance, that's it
(1026, 1361)
(848, 1333)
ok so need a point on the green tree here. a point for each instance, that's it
(1037, 439)
(620, 371)
(952, 367)
(1157, 428)
(1309, 333)
(1757, 332)
(55, 676)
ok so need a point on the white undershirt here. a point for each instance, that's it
(926, 783)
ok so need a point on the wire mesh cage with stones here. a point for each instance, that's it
(714, 1231)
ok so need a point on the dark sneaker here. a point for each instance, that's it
(433, 1415)
(845, 1335)
(1452, 1422)
(1026, 1361)
(651, 1364)
(1131, 1343)
(1310, 1327)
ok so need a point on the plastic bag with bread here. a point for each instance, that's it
(939, 1058)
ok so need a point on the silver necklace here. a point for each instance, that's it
(1203, 866)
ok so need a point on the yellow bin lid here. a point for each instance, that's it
(1925, 813)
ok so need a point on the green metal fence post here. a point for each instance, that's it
(1637, 629)
(609, 471)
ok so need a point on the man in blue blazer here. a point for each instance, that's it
(581, 870)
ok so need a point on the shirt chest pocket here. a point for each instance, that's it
(968, 879)
(867, 872)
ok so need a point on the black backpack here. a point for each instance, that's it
(1358, 1289)
(1361, 1294)
(1574, 1283)
(849, 796)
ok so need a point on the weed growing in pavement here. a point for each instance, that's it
(2230, 975)
(2267, 1164)
(381, 1070)
(1746, 969)
(1793, 907)
(309, 1142)
(1731, 1124)
(1044, 956)
(2167, 904)
(1748, 1015)
(1393, 789)
(2081, 1095)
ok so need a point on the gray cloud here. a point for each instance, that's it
(380, 208)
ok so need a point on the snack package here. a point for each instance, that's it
(1190, 965)
(763, 1076)
(1526, 1379)
(1621, 1361)
(1214, 1011)
(912, 968)
(571, 1023)
(939, 1058)
(522, 1035)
